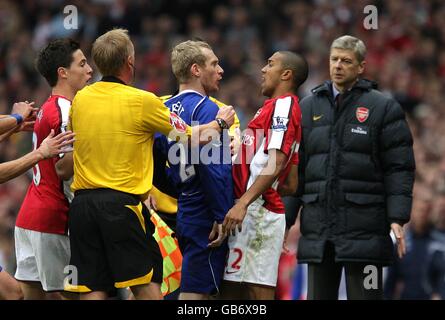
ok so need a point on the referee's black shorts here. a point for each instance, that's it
(112, 244)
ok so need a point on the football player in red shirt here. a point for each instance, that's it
(268, 155)
(42, 243)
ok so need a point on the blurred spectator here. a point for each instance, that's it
(437, 249)
(408, 279)
(287, 283)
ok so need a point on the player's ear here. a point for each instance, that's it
(62, 73)
(286, 75)
(195, 71)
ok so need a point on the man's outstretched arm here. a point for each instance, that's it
(275, 164)
(50, 147)
(22, 112)
(289, 187)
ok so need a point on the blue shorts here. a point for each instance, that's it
(202, 267)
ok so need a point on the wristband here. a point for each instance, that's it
(221, 123)
(17, 117)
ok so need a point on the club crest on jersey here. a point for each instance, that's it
(177, 123)
(362, 114)
(279, 123)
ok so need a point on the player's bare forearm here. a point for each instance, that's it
(65, 167)
(286, 190)
(7, 124)
(234, 218)
(289, 187)
(7, 134)
(23, 110)
(14, 168)
(274, 166)
(50, 147)
(204, 132)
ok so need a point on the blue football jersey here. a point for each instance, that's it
(202, 174)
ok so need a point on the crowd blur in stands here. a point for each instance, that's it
(406, 56)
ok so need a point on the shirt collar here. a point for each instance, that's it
(112, 79)
(335, 92)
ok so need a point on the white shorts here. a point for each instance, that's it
(255, 252)
(41, 257)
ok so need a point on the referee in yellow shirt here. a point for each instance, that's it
(110, 230)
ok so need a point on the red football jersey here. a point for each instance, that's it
(45, 208)
(276, 125)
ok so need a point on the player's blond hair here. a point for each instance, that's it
(184, 55)
(111, 51)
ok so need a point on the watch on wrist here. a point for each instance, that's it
(221, 123)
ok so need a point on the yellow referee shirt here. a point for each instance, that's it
(114, 125)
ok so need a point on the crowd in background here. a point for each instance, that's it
(406, 56)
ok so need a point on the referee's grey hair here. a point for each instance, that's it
(350, 43)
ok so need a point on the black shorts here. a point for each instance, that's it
(112, 244)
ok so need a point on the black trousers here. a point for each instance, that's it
(364, 281)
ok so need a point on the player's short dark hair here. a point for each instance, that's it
(297, 64)
(58, 53)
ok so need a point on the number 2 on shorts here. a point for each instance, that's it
(235, 264)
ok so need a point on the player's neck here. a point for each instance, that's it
(281, 91)
(195, 86)
(64, 91)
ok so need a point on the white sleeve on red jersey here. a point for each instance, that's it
(285, 129)
(64, 106)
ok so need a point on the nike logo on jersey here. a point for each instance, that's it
(316, 118)
(230, 272)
